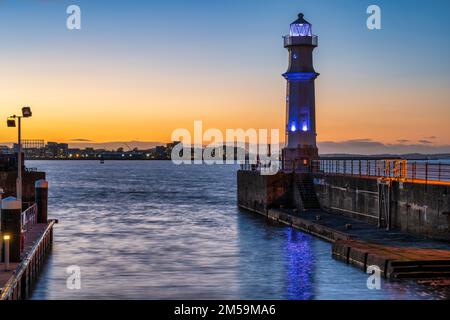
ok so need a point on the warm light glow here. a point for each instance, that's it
(6, 237)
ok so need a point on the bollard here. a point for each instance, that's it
(11, 225)
(41, 190)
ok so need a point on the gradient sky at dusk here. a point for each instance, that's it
(140, 69)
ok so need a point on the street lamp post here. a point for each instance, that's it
(26, 113)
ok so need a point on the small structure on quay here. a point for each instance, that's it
(391, 201)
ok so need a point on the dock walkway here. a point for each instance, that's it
(17, 281)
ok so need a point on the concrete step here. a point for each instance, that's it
(421, 275)
(408, 263)
(308, 195)
(421, 268)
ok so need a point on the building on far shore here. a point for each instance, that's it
(38, 150)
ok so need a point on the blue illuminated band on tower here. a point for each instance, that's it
(300, 76)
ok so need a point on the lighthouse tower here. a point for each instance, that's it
(301, 133)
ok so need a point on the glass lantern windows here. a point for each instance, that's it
(300, 30)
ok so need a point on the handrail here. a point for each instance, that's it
(29, 217)
(300, 40)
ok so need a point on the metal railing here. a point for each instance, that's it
(399, 169)
(264, 167)
(29, 218)
(413, 171)
(299, 40)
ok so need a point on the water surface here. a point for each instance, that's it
(153, 230)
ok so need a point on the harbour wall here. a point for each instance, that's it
(416, 208)
(259, 193)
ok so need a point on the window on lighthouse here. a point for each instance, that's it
(304, 125)
(293, 126)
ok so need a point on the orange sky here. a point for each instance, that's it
(109, 107)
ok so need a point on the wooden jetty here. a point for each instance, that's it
(16, 283)
(26, 238)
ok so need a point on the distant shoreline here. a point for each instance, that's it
(92, 159)
(322, 157)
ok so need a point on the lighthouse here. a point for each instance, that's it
(301, 133)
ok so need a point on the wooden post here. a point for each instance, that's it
(41, 197)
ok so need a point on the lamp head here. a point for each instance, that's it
(11, 123)
(26, 112)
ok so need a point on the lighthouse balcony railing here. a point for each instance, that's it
(300, 40)
(415, 171)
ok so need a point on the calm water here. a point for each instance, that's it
(153, 230)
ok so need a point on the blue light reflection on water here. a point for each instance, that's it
(300, 265)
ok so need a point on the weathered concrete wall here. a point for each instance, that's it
(415, 208)
(8, 183)
(421, 209)
(259, 193)
(349, 196)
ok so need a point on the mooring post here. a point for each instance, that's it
(41, 197)
(11, 226)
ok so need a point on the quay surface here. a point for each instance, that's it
(397, 254)
(17, 282)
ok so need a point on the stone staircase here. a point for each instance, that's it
(305, 187)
